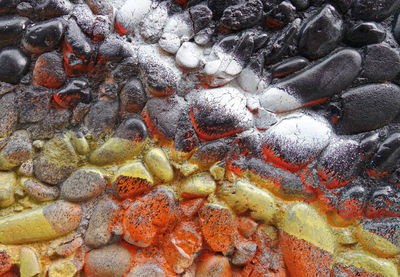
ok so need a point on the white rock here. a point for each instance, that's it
(276, 100)
(189, 55)
(265, 119)
(152, 25)
(180, 25)
(132, 12)
(170, 43)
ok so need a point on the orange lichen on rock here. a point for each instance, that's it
(5, 262)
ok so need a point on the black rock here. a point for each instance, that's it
(244, 49)
(289, 66)
(201, 16)
(34, 105)
(133, 129)
(72, 94)
(43, 36)
(133, 96)
(79, 42)
(354, 195)
(112, 48)
(211, 153)
(369, 107)
(396, 29)
(49, 70)
(281, 15)
(84, 18)
(387, 158)
(186, 139)
(376, 10)
(300, 4)
(218, 6)
(55, 121)
(44, 9)
(243, 15)
(103, 7)
(365, 33)
(11, 28)
(13, 65)
(321, 33)
(381, 63)
(101, 117)
(388, 228)
(383, 202)
(8, 6)
(342, 5)
(369, 145)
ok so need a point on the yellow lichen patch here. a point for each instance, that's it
(158, 164)
(8, 182)
(199, 185)
(368, 263)
(304, 222)
(376, 244)
(62, 268)
(217, 170)
(116, 150)
(242, 196)
(80, 144)
(29, 263)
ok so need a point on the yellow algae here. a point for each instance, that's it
(199, 185)
(217, 170)
(376, 244)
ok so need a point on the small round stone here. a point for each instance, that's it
(14, 65)
(49, 71)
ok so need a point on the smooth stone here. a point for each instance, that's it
(7, 6)
(56, 162)
(14, 65)
(11, 28)
(374, 10)
(369, 107)
(158, 164)
(49, 71)
(133, 96)
(201, 16)
(264, 119)
(364, 34)
(43, 36)
(213, 265)
(39, 191)
(148, 269)
(189, 55)
(181, 25)
(326, 79)
(243, 15)
(71, 95)
(242, 196)
(97, 233)
(321, 34)
(29, 262)
(80, 143)
(82, 185)
(289, 66)
(40, 224)
(199, 185)
(170, 43)
(131, 14)
(42, 10)
(77, 40)
(8, 114)
(17, 150)
(301, 4)
(109, 261)
(26, 168)
(101, 117)
(8, 184)
(381, 63)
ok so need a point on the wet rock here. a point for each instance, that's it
(44, 9)
(101, 117)
(321, 34)
(77, 40)
(374, 10)
(72, 94)
(386, 157)
(15, 64)
(11, 28)
(110, 261)
(158, 164)
(353, 263)
(39, 191)
(289, 66)
(343, 5)
(128, 141)
(210, 153)
(218, 227)
(199, 185)
(29, 262)
(133, 97)
(182, 245)
(43, 36)
(243, 15)
(201, 16)
(189, 56)
(8, 114)
(381, 63)
(149, 216)
(132, 179)
(364, 34)
(369, 107)
(82, 185)
(98, 233)
(8, 183)
(383, 202)
(56, 161)
(17, 150)
(219, 113)
(307, 242)
(151, 27)
(55, 220)
(286, 151)
(49, 71)
(8, 6)
(84, 18)
(280, 15)
(130, 15)
(213, 265)
(293, 93)
(300, 4)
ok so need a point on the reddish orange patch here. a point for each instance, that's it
(127, 186)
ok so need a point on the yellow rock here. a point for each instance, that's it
(134, 169)
(199, 185)
(44, 223)
(158, 164)
(80, 144)
(8, 184)
(62, 268)
(368, 263)
(116, 150)
(345, 236)
(217, 170)
(29, 263)
(242, 196)
(304, 222)
(376, 244)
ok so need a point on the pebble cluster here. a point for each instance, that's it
(199, 138)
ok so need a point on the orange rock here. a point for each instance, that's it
(182, 245)
(190, 207)
(303, 258)
(5, 262)
(148, 216)
(341, 270)
(49, 71)
(246, 226)
(209, 265)
(218, 227)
